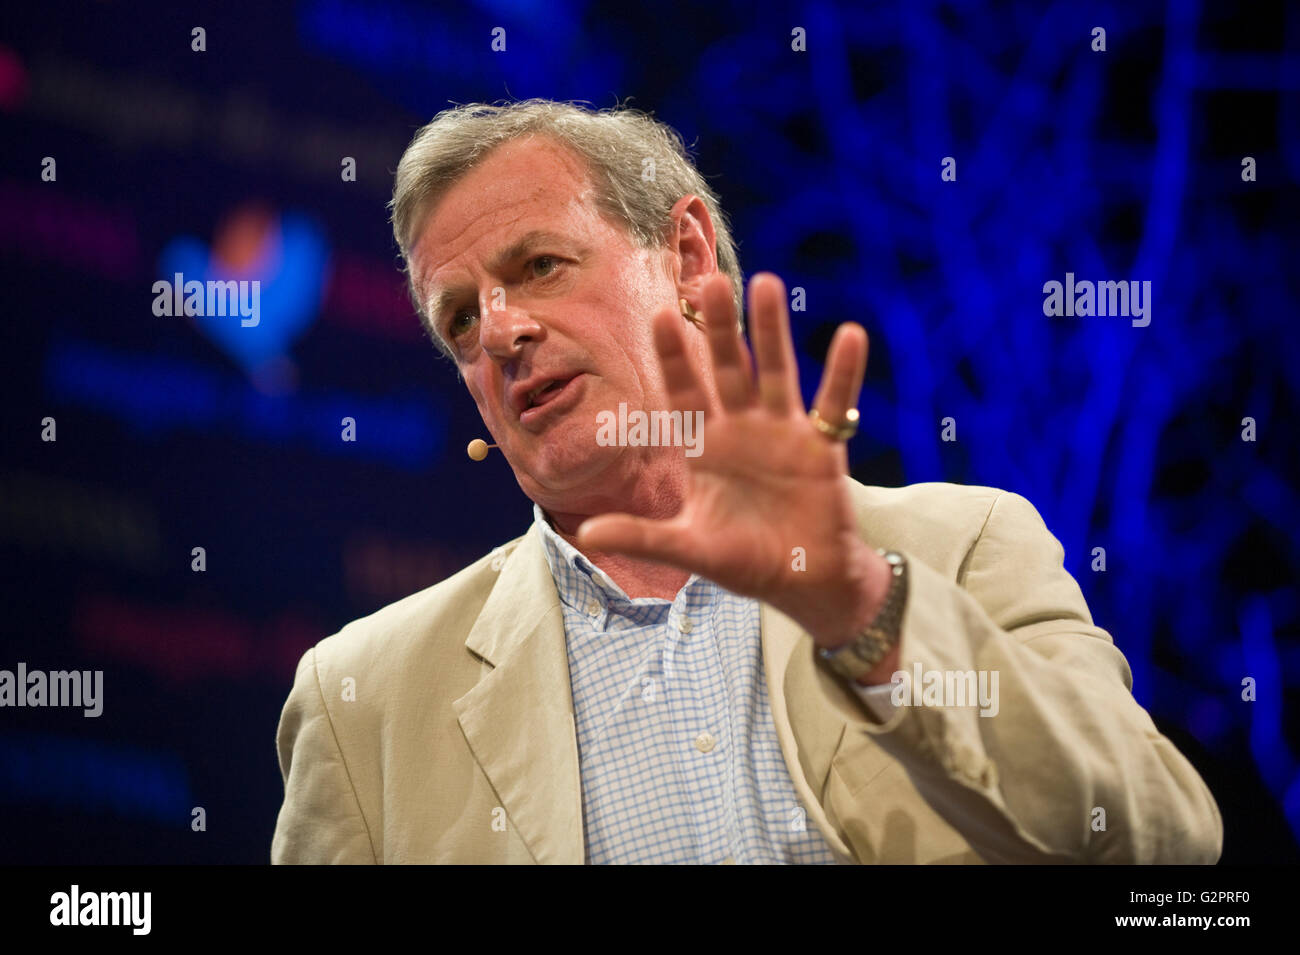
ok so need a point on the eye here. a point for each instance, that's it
(460, 322)
(544, 265)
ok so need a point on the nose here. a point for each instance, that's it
(505, 328)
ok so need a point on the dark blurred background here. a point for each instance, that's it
(175, 433)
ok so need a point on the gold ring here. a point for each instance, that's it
(840, 432)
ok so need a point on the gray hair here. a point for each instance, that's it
(619, 145)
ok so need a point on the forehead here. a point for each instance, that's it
(527, 183)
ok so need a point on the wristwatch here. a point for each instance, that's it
(861, 654)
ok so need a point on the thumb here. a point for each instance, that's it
(661, 541)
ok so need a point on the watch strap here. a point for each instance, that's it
(861, 654)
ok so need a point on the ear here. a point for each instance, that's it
(693, 245)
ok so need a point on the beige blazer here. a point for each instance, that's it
(440, 728)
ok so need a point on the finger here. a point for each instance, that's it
(662, 541)
(846, 366)
(731, 371)
(769, 331)
(681, 379)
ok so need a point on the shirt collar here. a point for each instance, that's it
(578, 580)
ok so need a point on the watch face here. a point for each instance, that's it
(856, 658)
(844, 667)
(870, 650)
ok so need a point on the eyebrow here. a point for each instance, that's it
(438, 300)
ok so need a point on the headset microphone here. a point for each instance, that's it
(478, 449)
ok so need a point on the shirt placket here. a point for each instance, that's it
(699, 722)
(711, 600)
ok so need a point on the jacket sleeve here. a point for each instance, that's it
(1065, 749)
(321, 820)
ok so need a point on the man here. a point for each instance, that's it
(689, 656)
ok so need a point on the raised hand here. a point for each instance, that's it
(767, 511)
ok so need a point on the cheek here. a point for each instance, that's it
(627, 361)
(480, 390)
(629, 340)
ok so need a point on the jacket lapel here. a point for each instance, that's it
(808, 754)
(518, 719)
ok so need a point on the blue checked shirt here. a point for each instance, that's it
(679, 756)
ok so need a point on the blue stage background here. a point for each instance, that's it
(175, 433)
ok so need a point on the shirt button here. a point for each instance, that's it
(705, 742)
(593, 608)
(728, 861)
(684, 624)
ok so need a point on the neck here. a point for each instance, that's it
(655, 496)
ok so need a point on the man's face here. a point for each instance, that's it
(531, 286)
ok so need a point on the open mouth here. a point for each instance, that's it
(540, 396)
(549, 399)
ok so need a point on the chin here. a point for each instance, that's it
(559, 465)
